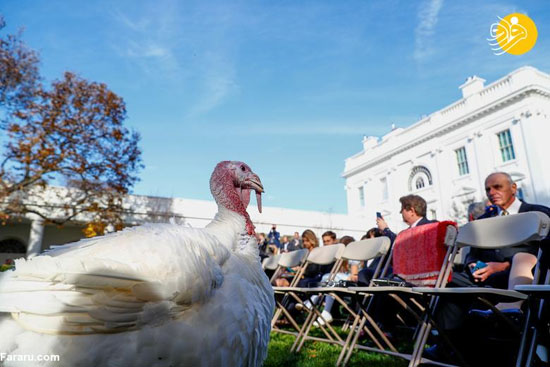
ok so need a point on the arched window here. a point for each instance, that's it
(12, 245)
(419, 178)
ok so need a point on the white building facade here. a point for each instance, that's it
(30, 235)
(445, 157)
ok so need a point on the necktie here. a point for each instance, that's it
(504, 212)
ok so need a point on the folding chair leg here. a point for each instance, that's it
(354, 342)
(290, 319)
(346, 345)
(416, 356)
(528, 334)
(276, 316)
(532, 349)
(303, 333)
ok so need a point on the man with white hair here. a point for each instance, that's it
(501, 191)
(501, 268)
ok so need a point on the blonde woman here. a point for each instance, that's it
(313, 272)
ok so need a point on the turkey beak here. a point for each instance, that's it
(253, 181)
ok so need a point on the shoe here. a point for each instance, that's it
(327, 319)
(301, 306)
(436, 353)
(487, 314)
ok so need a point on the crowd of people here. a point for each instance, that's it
(502, 268)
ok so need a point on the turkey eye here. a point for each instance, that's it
(243, 169)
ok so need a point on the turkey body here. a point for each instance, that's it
(155, 295)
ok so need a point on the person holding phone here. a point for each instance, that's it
(499, 268)
(413, 212)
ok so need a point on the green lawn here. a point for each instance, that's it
(315, 354)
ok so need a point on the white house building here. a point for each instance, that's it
(445, 157)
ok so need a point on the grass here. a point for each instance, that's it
(317, 354)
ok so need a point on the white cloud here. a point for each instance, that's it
(148, 40)
(428, 17)
(217, 82)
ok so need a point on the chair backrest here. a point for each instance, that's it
(326, 254)
(504, 231)
(271, 262)
(366, 249)
(421, 254)
(293, 258)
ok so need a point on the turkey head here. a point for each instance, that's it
(231, 184)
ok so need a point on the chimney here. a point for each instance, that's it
(369, 142)
(472, 85)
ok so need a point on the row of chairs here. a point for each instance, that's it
(423, 256)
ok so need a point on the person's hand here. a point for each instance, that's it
(481, 275)
(381, 223)
(353, 277)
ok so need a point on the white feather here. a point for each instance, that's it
(155, 295)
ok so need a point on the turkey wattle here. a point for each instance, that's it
(154, 295)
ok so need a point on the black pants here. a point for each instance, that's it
(451, 313)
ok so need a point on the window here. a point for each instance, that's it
(419, 178)
(506, 145)
(361, 196)
(462, 161)
(384, 184)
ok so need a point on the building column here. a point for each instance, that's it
(35, 237)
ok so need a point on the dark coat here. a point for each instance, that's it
(506, 254)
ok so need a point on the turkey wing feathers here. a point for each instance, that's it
(104, 284)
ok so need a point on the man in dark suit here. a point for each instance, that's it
(501, 192)
(383, 309)
(413, 212)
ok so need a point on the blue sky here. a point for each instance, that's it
(289, 87)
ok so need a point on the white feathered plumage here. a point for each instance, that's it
(154, 295)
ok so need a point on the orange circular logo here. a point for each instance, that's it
(515, 34)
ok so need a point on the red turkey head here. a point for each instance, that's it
(231, 183)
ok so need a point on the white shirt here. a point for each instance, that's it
(512, 209)
(415, 223)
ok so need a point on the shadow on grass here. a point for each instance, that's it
(316, 354)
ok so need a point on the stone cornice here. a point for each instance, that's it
(453, 124)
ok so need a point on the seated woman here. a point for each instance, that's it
(348, 271)
(313, 272)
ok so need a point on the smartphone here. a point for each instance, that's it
(477, 266)
(378, 215)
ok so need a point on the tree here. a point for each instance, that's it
(70, 135)
(19, 74)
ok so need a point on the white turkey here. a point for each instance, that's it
(154, 295)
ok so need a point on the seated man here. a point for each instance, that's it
(413, 211)
(329, 238)
(499, 272)
(504, 268)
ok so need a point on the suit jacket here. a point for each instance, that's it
(507, 253)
